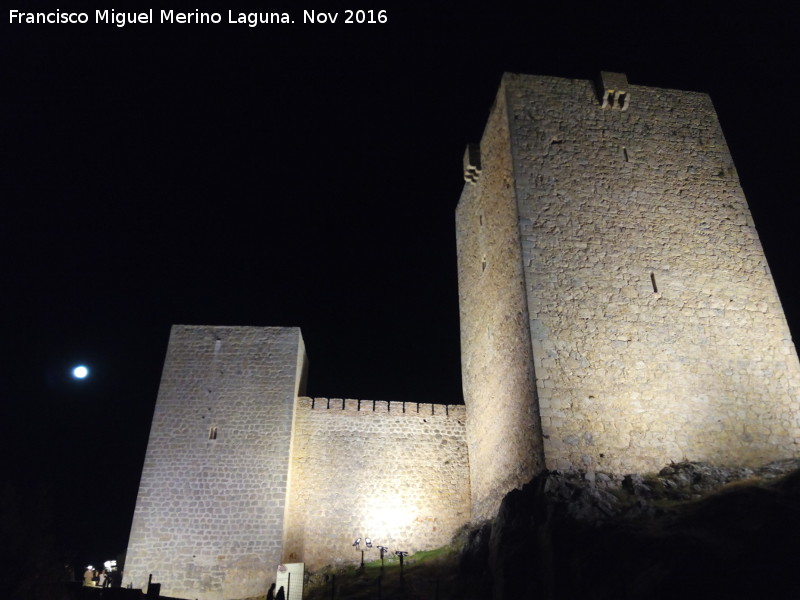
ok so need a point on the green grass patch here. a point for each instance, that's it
(424, 574)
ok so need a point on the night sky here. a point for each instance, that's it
(294, 175)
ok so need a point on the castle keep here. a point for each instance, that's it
(615, 299)
(617, 313)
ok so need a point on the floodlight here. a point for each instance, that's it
(400, 554)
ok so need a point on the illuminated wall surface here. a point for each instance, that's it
(655, 329)
(394, 472)
(503, 429)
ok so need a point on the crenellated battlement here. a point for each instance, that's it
(456, 411)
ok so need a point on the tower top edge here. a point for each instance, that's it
(509, 78)
(237, 327)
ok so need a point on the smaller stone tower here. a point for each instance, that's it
(209, 517)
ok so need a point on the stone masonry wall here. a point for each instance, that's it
(657, 332)
(503, 428)
(209, 516)
(394, 472)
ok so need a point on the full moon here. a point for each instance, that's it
(80, 372)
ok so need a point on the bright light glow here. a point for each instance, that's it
(80, 372)
(390, 515)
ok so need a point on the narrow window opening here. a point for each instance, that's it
(212, 433)
(621, 100)
(480, 218)
(611, 99)
(653, 281)
(625, 153)
(483, 265)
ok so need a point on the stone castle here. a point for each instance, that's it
(617, 313)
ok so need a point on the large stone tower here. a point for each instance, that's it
(209, 518)
(617, 311)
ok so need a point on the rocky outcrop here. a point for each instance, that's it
(691, 531)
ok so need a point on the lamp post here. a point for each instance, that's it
(383, 550)
(401, 554)
(357, 546)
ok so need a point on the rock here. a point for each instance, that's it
(566, 535)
